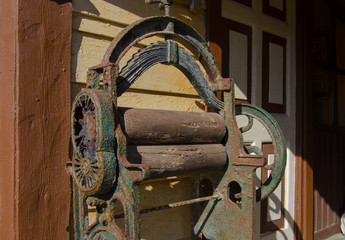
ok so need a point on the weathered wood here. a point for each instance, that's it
(8, 121)
(42, 187)
(145, 126)
(173, 160)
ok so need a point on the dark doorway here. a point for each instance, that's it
(328, 100)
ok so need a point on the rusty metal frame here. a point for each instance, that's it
(103, 175)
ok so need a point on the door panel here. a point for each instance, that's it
(237, 43)
(328, 178)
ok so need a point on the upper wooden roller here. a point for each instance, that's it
(144, 126)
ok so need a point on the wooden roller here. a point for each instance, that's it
(144, 126)
(173, 160)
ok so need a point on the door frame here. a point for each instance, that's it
(304, 196)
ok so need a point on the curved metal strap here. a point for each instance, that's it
(170, 53)
(170, 28)
(278, 141)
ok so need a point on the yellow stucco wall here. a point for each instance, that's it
(95, 24)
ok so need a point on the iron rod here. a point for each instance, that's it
(174, 205)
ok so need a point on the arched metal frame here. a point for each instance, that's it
(169, 28)
(167, 52)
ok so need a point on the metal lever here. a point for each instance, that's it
(162, 3)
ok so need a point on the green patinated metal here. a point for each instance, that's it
(104, 176)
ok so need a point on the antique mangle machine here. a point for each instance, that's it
(114, 149)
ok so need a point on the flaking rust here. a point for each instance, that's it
(111, 155)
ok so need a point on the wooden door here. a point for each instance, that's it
(254, 42)
(328, 117)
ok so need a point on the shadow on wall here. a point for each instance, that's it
(289, 219)
(275, 207)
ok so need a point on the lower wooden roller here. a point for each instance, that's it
(174, 160)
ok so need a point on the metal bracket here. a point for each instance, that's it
(166, 4)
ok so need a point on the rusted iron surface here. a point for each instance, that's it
(278, 141)
(115, 149)
(94, 163)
